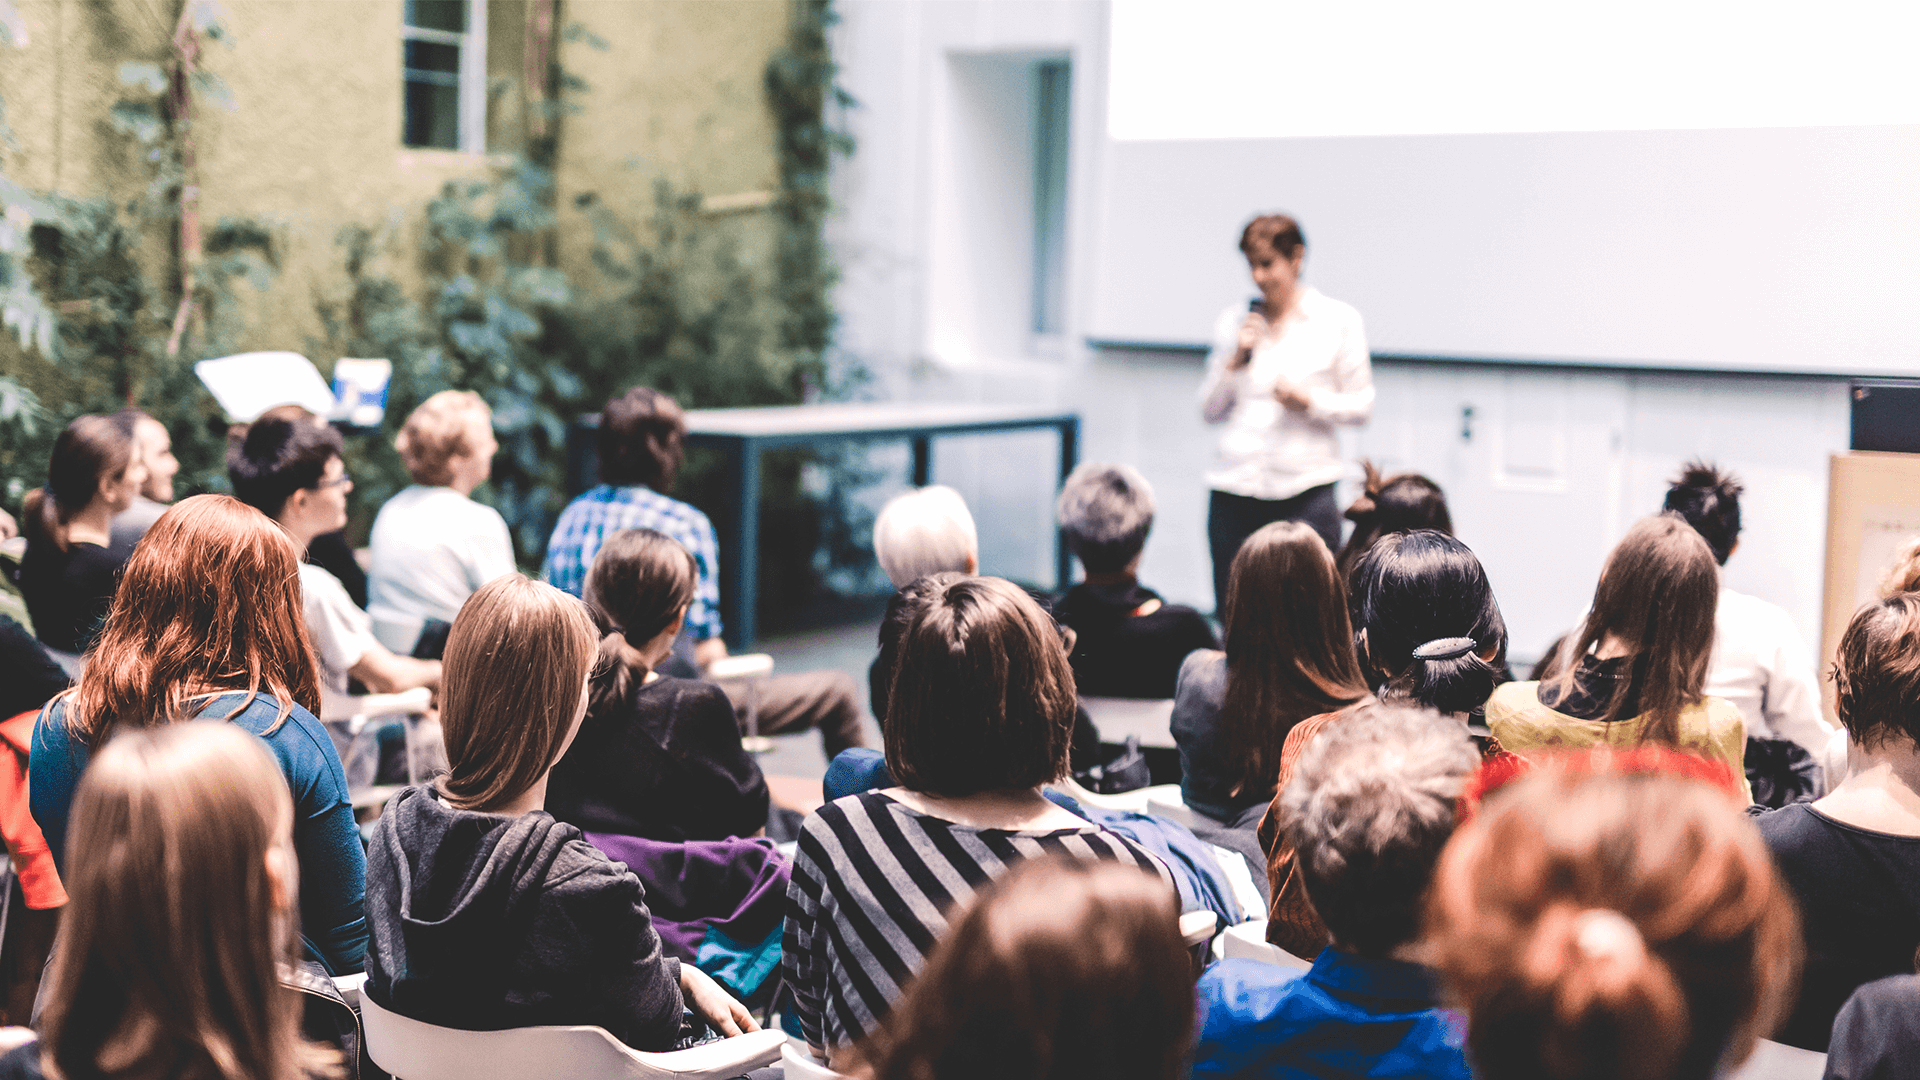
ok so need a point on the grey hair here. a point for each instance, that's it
(1369, 808)
(1105, 512)
(925, 531)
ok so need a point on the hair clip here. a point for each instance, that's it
(1446, 648)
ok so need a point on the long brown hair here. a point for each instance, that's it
(1657, 595)
(210, 601)
(1062, 967)
(1595, 923)
(169, 952)
(510, 687)
(1289, 647)
(88, 450)
(639, 583)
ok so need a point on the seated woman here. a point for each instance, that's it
(925, 531)
(1402, 502)
(1370, 806)
(207, 625)
(1594, 923)
(1636, 670)
(1852, 858)
(182, 884)
(981, 716)
(68, 574)
(656, 756)
(1289, 656)
(1429, 633)
(1062, 968)
(1129, 643)
(485, 912)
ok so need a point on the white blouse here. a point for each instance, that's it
(1268, 451)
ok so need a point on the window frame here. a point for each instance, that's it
(471, 122)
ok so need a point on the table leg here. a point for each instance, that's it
(922, 460)
(740, 571)
(1069, 457)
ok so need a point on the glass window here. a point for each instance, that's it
(443, 74)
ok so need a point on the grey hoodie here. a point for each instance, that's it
(483, 922)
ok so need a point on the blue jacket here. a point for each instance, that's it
(1346, 1017)
(333, 865)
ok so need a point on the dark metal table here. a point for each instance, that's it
(742, 434)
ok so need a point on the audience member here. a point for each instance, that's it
(1429, 633)
(1370, 806)
(1636, 669)
(1877, 1034)
(1853, 857)
(656, 756)
(431, 544)
(292, 471)
(1903, 576)
(1402, 502)
(1061, 969)
(67, 575)
(642, 442)
(1289, 656)
(485, 912)
(1760, 665)
(29, 678)
(182, 882)
(155, 447)
(980, 717)
(1601, 924)
(863, 768)
(925, 531)
(1129, 642)
(206, 624)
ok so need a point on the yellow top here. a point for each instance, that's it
(1712, 729)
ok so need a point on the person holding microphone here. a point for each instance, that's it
(1282, 374)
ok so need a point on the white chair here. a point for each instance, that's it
(1148, 719)
(412, 1050)
(796, 1063)
(1135, 800)
(1778, 1061)
(1248, 941)
(1197, 927)
(740, 677)
(1165, 801)
(350, 720)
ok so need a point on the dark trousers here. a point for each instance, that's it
(1233, 518)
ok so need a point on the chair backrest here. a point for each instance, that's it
(412, 1050)
(1778, 1061)
(1248, 941)
(797, 1063)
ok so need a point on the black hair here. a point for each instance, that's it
(278, 456)
(642, 440)
(1709, 498)
(1399, 503)
(1409, 594)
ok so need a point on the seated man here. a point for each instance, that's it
(1130, 642)
(291, 470)
(431, 544)
(642, 444)
(1370, 807)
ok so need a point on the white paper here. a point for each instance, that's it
(1883, 531)
(248, 384)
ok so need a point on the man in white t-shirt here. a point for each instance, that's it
(290, 468)
(432, 546)
(1761, 664)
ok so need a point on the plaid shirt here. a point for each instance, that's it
(588, 519)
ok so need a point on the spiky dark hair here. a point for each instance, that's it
(1709, 498)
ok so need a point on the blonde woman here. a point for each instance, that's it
(183, 886)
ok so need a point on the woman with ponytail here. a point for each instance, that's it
(1636, 670)
(1594, 923)
(68, 575)
(1402, 502)
(656, 757)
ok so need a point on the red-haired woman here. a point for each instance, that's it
(207, 625)
(67, 575)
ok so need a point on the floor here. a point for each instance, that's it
(849, 648)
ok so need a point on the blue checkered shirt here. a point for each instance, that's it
(586, 522)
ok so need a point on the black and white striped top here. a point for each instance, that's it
(873, 884)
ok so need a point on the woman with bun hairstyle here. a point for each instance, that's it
(1289, 656)
(1600, 924)
(68, 575)
(207, 624)
(1063, 968)
(656, 756)
(1428, 632)
(1636, 670)
(1402, 502)
(182, 910)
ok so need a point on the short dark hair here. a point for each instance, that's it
(642, 439)
(1277, 231)
(1105, 513)
(1709, 498)
(1876, 672)
(279, 455)
(982, 698)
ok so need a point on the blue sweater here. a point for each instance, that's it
(333, 865)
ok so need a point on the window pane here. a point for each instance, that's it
(437, 14)
(432, 115)
(431, 56)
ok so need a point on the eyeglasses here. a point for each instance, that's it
(333, 482)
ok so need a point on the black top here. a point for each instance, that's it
(1594, 683)
(668, 766)
(1877, 1035)
(485, 922)
(28, 676)
(1859, 894)
(1123, 654)
(68, 592)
